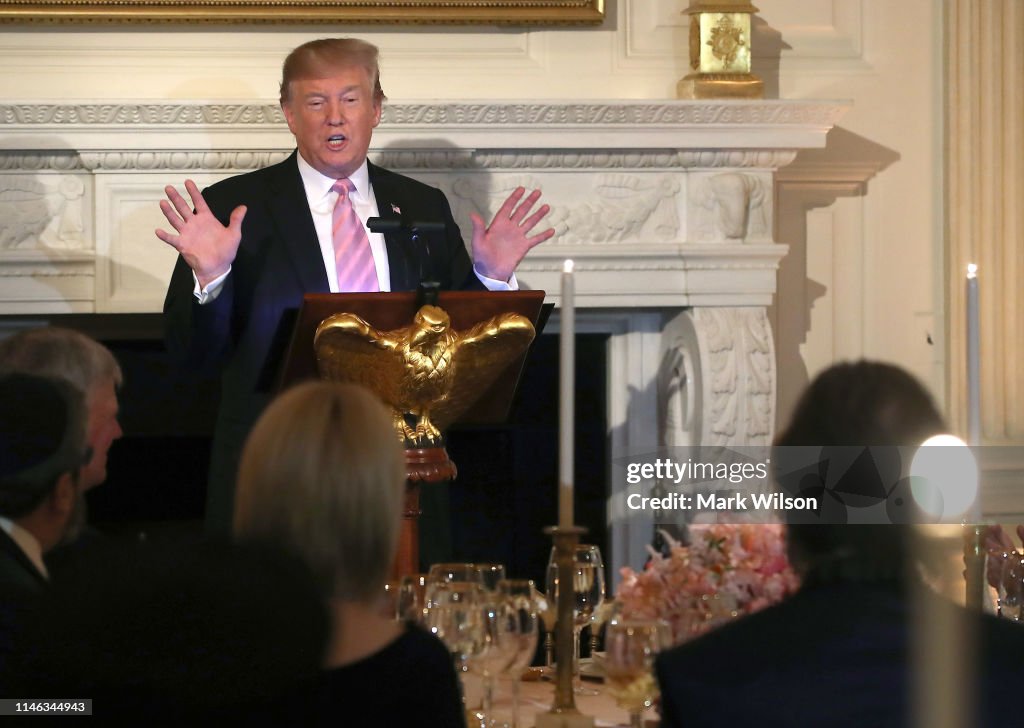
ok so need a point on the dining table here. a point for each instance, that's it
(536, 696)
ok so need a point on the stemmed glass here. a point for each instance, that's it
(500, 643)
(525, 604)
(610, 611)
(490, 575)
(453, 614)
(629, 650)
(455, 572)
(1002, 565)
(411, 598)
(405, 599)
(548, 613)
(389, 600)
(588, 589)
(1012, 602)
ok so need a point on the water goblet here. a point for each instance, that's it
(998, 566)
(455, 572)
(1012, 602)
(490, 575)
(411, 597)
(1001, 568)
(629, 650)
(610, 611)
(526, 605)
(389, 600)
(499, 634)
(453, 615)
(547, 610)
(1007, 599)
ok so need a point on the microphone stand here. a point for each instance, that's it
(428, 288)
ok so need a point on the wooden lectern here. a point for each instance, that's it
(390, 311)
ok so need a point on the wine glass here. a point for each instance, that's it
(629, 650)
(526, 605)
(1012, 601)
(610, 611)
(490, 575)
(499, 630)
(547, 610)
(411, 598)
(1001, 563)
(389, 600)
(588, 591)
(454, 572)
(453, 614)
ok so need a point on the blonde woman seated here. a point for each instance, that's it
(323, 475)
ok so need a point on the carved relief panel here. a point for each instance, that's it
(618, 207)
(44, 211)
(730, 205)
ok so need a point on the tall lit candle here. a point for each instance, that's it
(973, 358)
(566, 384)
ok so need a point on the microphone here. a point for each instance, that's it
(428, 285)
(386, 225)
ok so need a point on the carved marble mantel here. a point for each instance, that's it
(666, 207)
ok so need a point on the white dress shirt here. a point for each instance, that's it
(27, 543)
(322, 200)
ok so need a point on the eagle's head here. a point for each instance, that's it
(431, 324)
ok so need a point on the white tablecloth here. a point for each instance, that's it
(537, 697)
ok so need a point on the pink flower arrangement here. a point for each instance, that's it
(726, 571)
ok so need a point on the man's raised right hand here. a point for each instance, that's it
(207, 246)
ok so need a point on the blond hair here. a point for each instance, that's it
(323, 475)
(324, 57)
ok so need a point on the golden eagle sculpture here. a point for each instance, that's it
(426, 370)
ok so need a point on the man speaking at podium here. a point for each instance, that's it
(252, 245)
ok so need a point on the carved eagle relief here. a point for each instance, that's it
(426, 370)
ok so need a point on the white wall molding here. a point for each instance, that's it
(408, 160)
(820, 37)
(195, 126)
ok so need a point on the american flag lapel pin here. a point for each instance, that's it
(396, 209)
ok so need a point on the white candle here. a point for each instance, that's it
(973, 359)
(566, 384)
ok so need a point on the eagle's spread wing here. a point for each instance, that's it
(481, 355)
(350, 350)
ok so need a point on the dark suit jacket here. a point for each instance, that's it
(832, 655)
(245, 331)
(21, 584)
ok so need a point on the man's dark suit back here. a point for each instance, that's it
(832, 655)
(20, 585)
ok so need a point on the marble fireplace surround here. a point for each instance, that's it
(666, 207)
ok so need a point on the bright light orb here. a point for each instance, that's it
(944, 478)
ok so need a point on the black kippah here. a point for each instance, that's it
(33, 419)
(41, 433)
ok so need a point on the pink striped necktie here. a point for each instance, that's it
(352, 254)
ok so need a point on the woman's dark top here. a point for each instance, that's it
(410, 682)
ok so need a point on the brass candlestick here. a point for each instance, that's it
(563, 713)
